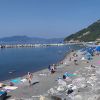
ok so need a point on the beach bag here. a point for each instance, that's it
(69, 91)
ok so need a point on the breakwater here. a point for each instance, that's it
(35, 45)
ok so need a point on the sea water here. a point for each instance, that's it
(15, 62)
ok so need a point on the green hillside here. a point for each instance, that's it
(91, 33)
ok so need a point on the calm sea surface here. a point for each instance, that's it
(22, 60)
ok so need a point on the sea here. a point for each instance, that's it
(16, 62)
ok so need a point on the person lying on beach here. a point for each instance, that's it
(29, 78)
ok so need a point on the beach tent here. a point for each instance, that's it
(90, 50)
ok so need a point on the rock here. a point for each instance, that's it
(95, 97)
(78, 97)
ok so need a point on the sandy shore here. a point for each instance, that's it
(48, 81)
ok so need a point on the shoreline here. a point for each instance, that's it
(39, 71)
(32, 64)
(45, 77)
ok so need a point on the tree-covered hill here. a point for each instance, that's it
(91, 33)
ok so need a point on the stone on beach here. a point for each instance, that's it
(78, 97)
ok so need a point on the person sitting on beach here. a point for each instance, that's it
(55, 67)
(93, 66)
(70, 59)
(75, 60)
(52, 69)
(49, 67)
(66, 76)
(11, 84)
(29, 77)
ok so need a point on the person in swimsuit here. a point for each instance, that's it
(30, 76)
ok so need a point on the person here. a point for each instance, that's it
(49, 67)
(65, 75)
(52, 69)
(70, 59)
(75, 60)
(93, 66)
(55, 67)
(30, 76)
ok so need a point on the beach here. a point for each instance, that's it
(45, 83)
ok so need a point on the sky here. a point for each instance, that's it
(46, 18)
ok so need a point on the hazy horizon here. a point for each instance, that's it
(46, 18)
(32, 37)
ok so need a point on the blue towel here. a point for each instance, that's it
(18, 80)
(69, 74)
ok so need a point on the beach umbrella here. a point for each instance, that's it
(90, 50)
(97, 48)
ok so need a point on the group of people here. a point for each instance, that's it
(75, 57)
(52, 68)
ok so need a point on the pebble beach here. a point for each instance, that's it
(83, 79)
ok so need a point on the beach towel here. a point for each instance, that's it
(69, 74)
(42, 97)
(16, 81)
(10, 87)
(23, 80)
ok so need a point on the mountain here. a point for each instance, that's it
(27, 40)
(91, 33)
